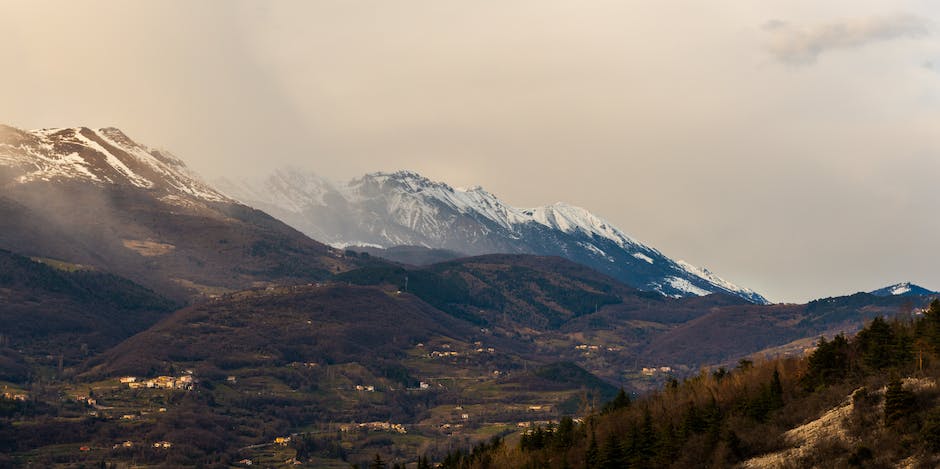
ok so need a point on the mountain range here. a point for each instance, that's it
(390, 210)
(117, 261)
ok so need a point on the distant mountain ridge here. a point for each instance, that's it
(384, 210)
(903, 289)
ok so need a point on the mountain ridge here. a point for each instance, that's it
(104, 155)
(902, 289)
(98, 198)
(387, 209)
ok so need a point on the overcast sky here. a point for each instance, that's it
(790, 146)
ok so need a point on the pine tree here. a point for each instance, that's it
(776, 391)
(828, 364)
(931, 325)
(646, 444)
(899, 402)
(621, 401)
(592, 455)
(876, 344)
(564, 434)
(667, 443)
(612, 455)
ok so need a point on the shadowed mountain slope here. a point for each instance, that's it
(96, 197)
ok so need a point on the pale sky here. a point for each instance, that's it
(791, 146)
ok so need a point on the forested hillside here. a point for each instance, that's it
(867, 401)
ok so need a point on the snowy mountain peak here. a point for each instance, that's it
(403, 178)
(102, 156)
(903, 289)
(569, 218)
(405, 208)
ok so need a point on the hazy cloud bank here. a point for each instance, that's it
(802, 45)
(659, 116)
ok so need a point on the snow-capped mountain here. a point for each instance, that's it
(98, 199)
(903, 289)
(102, 156)
(405, 208)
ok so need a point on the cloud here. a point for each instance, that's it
(798, 45)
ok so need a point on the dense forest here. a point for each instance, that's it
(866, 401)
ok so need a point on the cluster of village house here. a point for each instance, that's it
(422, 386)
(184, 382)
(446, 352)
(130, 444)
(289, 462)
(87, 400)
(377, 426)
(15, 396)
(652, 371)
(594, 348)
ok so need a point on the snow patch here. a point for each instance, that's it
(901, 289)
(114, 161)
(593, 248)
(684, 285)
(713, 279)
(355, 244)
(643, 257)
(569, 219)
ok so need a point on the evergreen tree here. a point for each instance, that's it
(879, 346)
(828, 364)
(667, 444)
(612, 455)
(621, 401)
(768, 399)
(776, 391)
(930, 326)
(692, 422)
(899, 402)
(646, 440)
(564, 434)
(592, 455)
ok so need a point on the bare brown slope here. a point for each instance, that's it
(202, 248)
(325, 324)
